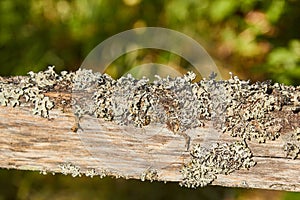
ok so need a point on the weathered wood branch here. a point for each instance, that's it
(154, 152)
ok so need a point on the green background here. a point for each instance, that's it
(254, 39)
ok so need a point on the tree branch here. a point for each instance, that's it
(102, 146)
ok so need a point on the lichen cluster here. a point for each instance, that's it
(149, 174)
(248, 111)
(239, 108)
(74, 171)
(291, 150)
(206, 164)
(30, 90)
(252, 109)
(236, 107)
(174, 102)
(92, 172)
(178, 103)
(292, 143)
(297, 133)
(69, 168)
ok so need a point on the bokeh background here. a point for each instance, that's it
(254, 39)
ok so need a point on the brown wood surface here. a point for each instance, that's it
(29, 142)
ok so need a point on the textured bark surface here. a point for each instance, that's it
(154, 152)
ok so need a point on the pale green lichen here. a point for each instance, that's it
(248, 111)
(292, 150)
(69, 168)
(206, 164)
(31, 89)
(10, 94)
(149, 174)
(43, 172)
(103, 173)
(91, 173)
(74, 171)
(174, 102)
(291, 146)
(250, 108)
(297, 133)
(237, 107)
(43, 79)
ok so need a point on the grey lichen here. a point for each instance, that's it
(91, 173)
(85, 86)
(103, 173)
(236, 107)
(10, 94)
(103, 97)
(180, 103)
(249, 114)
(69, 168)
(44, 172)
(292, 150)
(297, 134)
(149, 174)
(176, 102)
(252, 110)
(31, 90)
(74, 171)
(129, 101)
(249, 111)
(206, 164)
(291, 146)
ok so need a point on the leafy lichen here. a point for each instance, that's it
(69, 168)
(206, 164)
(31, 90)
(292, 150)
(236, 107)
(149, 174)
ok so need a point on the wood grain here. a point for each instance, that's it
(29, 142)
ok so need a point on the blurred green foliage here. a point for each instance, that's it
(33, 186)
(255, 39)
